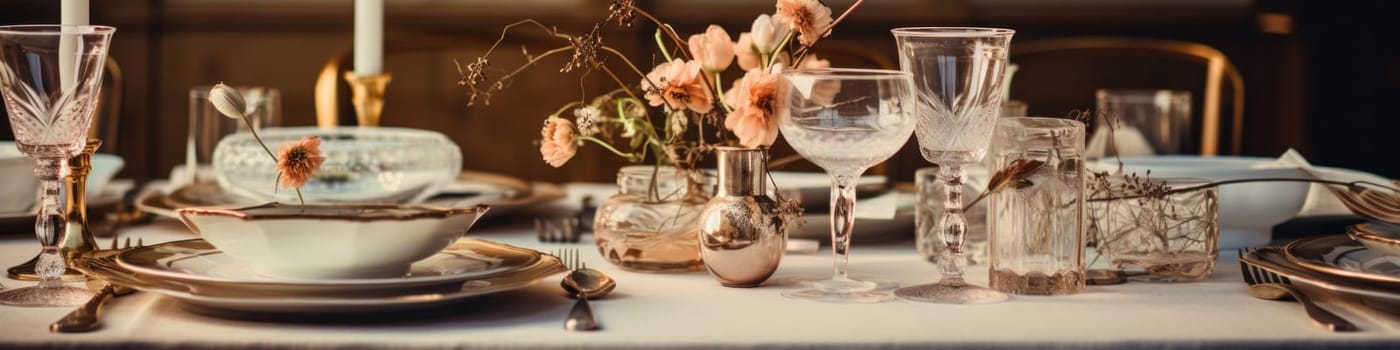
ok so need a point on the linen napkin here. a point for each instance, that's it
(1320, 200)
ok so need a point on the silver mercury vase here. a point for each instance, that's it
(741, 240)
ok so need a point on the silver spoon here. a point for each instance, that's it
(583, 283)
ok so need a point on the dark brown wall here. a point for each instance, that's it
(1321, 88)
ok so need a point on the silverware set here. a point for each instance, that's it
(567, 229)
(88, 317)
(583, 283)
(1265, 284)
(558, 230)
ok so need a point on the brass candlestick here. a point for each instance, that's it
(76, 239)
(367, 94)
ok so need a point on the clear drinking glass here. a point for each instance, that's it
(1037, 227)
(1149, 122)
(50, 76)
(1014, 108)
(958, 74)
(845, 121)
(208, 126)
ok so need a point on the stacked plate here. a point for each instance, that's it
(205, 280)
(1339, 264)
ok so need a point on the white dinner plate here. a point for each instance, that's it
(222, 302)
(196, 262)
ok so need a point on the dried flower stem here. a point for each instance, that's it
(257, 138)
(662, 26)
(1352, 184)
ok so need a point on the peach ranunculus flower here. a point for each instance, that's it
(767, 33)
(809, 18)
(754, 98)
(299, 160)
(822, 92)
(745, 52)
(557, 144)
(713, 49)
(678, 84)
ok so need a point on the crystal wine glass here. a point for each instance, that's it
(957, 76)
(845, 121)
(50, 76)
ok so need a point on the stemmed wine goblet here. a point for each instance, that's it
(845, 121)
(958, 77)
(50, 76)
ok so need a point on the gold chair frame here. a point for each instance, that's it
(1219, 70)
(107, 119)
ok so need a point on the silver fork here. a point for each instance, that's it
(581, 316)
(86, 318)
(1265, 284)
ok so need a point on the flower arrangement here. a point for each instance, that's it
(679, 110)
(296, 161)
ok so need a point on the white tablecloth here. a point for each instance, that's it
(692, 311)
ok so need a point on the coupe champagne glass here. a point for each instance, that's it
(958, 76)
(845, 121)
(50, 76)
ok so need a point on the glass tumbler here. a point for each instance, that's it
(1149, 122)
(1037, 224)
(1170, 238)
(207, 126)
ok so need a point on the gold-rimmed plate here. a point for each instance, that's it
(236, 303)
(1381, 237)
(197, 263)
(1342, 257)
(503, 193)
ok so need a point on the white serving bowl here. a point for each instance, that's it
(331, 241)
(364, 165)
(1248, 211)
(20, 188)
(104, 168)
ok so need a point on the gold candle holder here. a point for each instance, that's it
(367, 94)
(77, 239)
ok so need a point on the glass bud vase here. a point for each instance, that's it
(650, 225)
(741, 240)
(1157, 238)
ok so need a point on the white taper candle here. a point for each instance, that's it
(71, 13)
(369, 37)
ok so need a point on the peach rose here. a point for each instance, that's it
(557, 141)
(678, 84)
(713, 49)
(746, 53)
(754, 99)
(809, 18)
